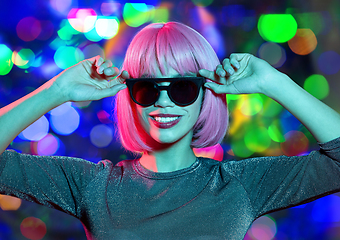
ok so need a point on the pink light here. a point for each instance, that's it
(28, 29)
(82, 20)
(214, 152)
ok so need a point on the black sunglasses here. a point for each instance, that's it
(182, 91)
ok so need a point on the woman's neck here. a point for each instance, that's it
(174, 157)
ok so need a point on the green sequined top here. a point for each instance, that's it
(208, 200)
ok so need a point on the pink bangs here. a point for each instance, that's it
(176, 45)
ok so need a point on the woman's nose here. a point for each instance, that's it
(164, 100)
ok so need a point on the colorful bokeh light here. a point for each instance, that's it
(28, 29)
(24, 58)
(275, 132)
(107, 27)
(33, 228)
(36, 131)
(264, 228)
(136, 14)
(304, 42)
(277, 27)
(273, 53)
(329, 62)
(6, 62)
(317, 85)
(48, 145)
(296, 143)
(82, 20)
(160, 14)
(42, 39)
(251, 104)
(64, 120)
(202, 3)
(257, 139)
(214, 152)
(9, 203)
(67, 56)
(101, 135)
(61, 6)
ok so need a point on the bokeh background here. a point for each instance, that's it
(38, 39)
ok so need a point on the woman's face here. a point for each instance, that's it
(165, 121)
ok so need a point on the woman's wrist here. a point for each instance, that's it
(279, 86)
(56, 94)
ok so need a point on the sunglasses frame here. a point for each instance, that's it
(198, 81)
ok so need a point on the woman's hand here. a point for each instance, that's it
(91, 79)
(241, 74)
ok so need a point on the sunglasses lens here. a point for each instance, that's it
(184, 92)
(145, 93)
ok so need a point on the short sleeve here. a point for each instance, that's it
(55, 182)
(274, 183)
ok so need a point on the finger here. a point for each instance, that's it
(238, 56)
(98, 60)
(208, 74)
(227, 66)
(220, 71)
(111, 71)
(120, 79)
(103, 66)
(222, 89)
(235, 63)
(242, 58)
(108, 92)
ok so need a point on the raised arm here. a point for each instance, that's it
(245, 73)
(85, 81)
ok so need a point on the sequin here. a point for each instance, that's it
(208, 200)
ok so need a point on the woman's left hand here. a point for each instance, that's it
(242, 73)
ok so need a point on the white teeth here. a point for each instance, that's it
(165, 119)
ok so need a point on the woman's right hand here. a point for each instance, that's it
(91, 79)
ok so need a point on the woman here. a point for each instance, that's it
(175, 101)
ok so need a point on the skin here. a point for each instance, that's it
(241, 73)
(245, 73)
(88, 80)
(173, 143)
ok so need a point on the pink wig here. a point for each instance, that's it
(170, 44)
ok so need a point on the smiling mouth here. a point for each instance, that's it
(165, 120)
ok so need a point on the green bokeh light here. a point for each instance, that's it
(136, 14)
(257, 139)
(231, 97)
(251, 104)
(24, 58)
(271, 108)
(275, 133)
(160, 15)
(239, 149)
(66, 31)
(67, 56)
(202, 3)
(6, 63)
(317, 85)
(277, 27)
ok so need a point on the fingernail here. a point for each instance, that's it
(100, 70)
(231, 71)
(207, 85)
(237, 65)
